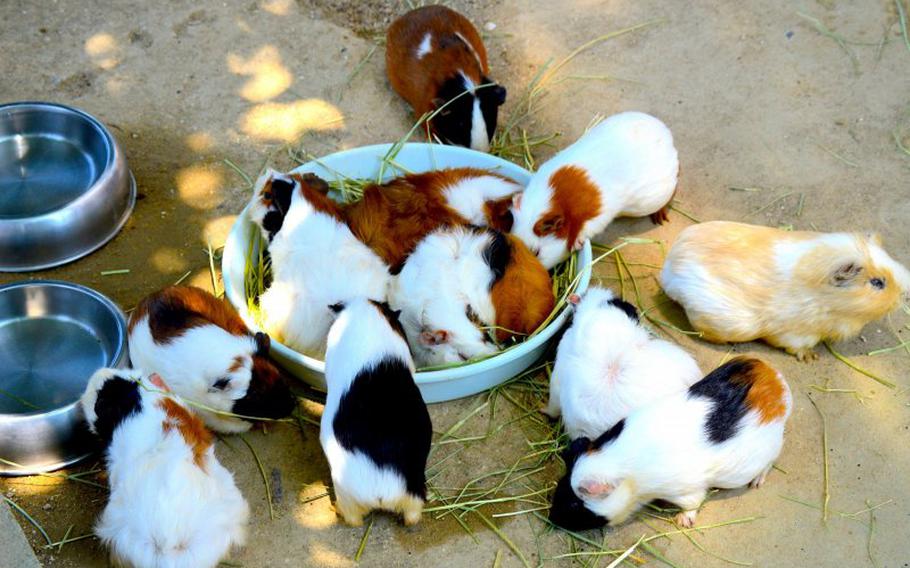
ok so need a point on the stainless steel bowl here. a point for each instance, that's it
(53, 336)
(65, 188)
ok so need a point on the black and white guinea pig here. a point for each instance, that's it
(725, 431)
(608, 365)
(208, 355)
(375, 428)
(171, 502)
(433, 55)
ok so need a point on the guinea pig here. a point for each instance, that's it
(435, 57)
(625, 166)
(316, 260)
(375, 428)
(792, 289)
(209, 356)
(608, 365)
(393, 217)
(461, 279)
(171, 502)
(725, 431)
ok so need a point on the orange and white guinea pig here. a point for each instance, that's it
(393, 217)
(626, 166)
(436, 59)
(460, 279)
(741, 282)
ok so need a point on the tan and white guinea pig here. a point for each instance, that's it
(172, 503)
(608, 365)
(626, 166)
(393, 217)
(433, 55)
(725, 431)
(461, 279)
(209, 356)
(316, 260)
(792, 289)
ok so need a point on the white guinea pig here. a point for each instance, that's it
(725, 431)
(172, 504)
(625, 166)
(741, 282)
(375, 428)
(209, 356)
(459, 280)
(316, 260)
(607, 365)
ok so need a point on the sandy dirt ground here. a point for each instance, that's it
(757, 97)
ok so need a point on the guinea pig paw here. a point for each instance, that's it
(686, 519)
(760, 480)
(806, 355)
(662, 216)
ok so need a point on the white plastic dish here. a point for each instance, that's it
(364, 163)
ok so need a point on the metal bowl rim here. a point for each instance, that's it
(110, 143)
(116, 360)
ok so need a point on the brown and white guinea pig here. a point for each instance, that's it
(171, 501)
(461, 279)
(433, 55)
(375, 429)
(316, 260)
(792, 289)
(626, 166)
(393, 217)
(608, 365)
(725, 431)
(209, 356)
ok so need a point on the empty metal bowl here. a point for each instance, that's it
(65, 188)
(53, 337)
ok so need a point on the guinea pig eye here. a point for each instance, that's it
(221, 383)
(878, 283)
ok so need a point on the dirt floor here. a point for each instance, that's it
(804, 113)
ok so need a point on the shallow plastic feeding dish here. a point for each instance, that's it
(53, 337)
(65, 188)
(364, 163)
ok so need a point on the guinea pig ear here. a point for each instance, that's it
(594, 488)
(437, 337)
(498, 94)
(263, 344)
(548, 224)
(845, 274)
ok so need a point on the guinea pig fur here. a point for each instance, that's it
(375, 428)
(393, 217)
(625, 166)
(314, 257)
(460, 279)
(209, 356)
(725, 431)
(792, 289)
(171, 502)
(435, 59)
(607, 365)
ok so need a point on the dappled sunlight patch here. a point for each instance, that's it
(277, 7)
(216, 230)
(168, 259)
(103, 50)
(200, 141)
(317, 515)
(199, 186)
(286, 122)
(268, 75)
